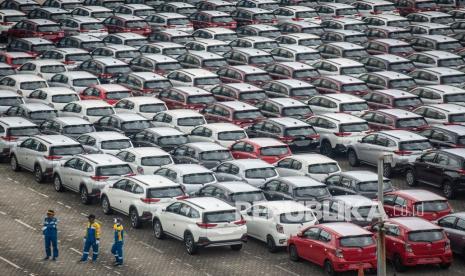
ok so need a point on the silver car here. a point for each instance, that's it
(253, 171)
(14, 130)
(192, 177)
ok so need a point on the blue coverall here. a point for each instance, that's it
(51, 236)
(92, 239)
(117, 248)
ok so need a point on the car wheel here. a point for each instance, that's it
(135, 221)
(387, 170)
(158, 230)
(410, 178)
(329, 269)
(236, 247)
(191, 248)
(326, 149)
(38, 175)
(84, 195)
(445, 265)
(106, 206)
(353, 158)
(293, 255)
(398, 265)
(57, 183)
(270, 244)
(14, 164)
(448, 190)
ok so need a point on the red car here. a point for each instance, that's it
(41, 28)
(338, 247)
(243, 73)
(187, 97)
(111, 93)
(392, 98)
(243, 92)
(124, 23)
(15, 59)
(235, 112)
(268, 149)
(340, 84)
(410, 6)
(386, 119)
(208, 19)
(412, 241)
(416, 203)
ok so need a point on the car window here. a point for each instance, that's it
(448, 222)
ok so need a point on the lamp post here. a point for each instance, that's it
(381, 243)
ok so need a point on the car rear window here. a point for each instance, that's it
(78, 129)
(296, 217)
(296, 111)
(253, 95)
(92, 26)
(14, 18)
(33, 85)
(160, 84)
(247, 114)
(136, 24)
(13, 101)
(201, 99)
(406, 102)
(432, 206)
(372, 186)
(248, 196)
(49, 28)
(136, 125)
(354, 87)
(65, 98)
(191, 121)
(156, 160)
(310, 42)
(411, 122)
(198, 178)
(66, 150)
(273, 151)
(300, 131)
(172, 140)
(323, 168)
(353, 70)
(354, 106)
(355, 127)
(207, 81)
(398, 23)
(116, 144)
(311, 191)
(178, 21)
(127, 54)
(231, 135)
(43, 115)
(117, 95)
(175, 51)
(257, 77)
(426, 235)
(302, 92)
(118, 69)
(21, 60)
(415, 145)
(454, 98)
(152, 108)
(86, 82)
(457, 118)
(262, 59)
(165, 192)
(260, 173)
(216, 155)
(356, 241)
(221, 216)
(23, 131)
(122, 169)
(100, 111)
(168, 66)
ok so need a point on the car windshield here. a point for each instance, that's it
(65, 98)
(260, 173)
(198, 178)
(372, 186)
(43, 115)
(272, 34)
(127, 54)
(247, 114)
(415, 145)
(156, 160)
(11, 101)
(405, 35)
(353, 70)
(399, 23)
(165, 192)
(384, 8)
(296, 217)
(118, 69)
(136, 42)
(304, 92)
(457, 118)
(191, 121)
(402, 83)
(53, 69)
(411, 122)
(92, 26)
(116, 144)
(85, 82)
(221, 19)
(219, 48)
(451, 62)
(136, 125)
(406, 102)
(78, 129)
(66, 150)
(14, 18)
(136, 24)
(100, 111)
(258, 77)
(354, 87)
(201, 99)
(248, 196)
(354, 106)
(215, 63)
(407, 66)
(274, 151)
(426, 235)
(33, 85)
(78, 57)
(110, 170)
(266, 45)
(445, 46)
(159, 84)
(261, 59)
(21, 61)
(310, 42)
(175, 51)
(152, 108)
(357, 39)
(323, 168)
(264, 16)
(357, 27)
(296, 111)
(23, 131)
(454, 98)
(442, 20)
(144, 13)
(48, 28)
(309, 73)
(42, 47)
(178, 21)
(221, 216)
(207, 81)
(168, 66)
(401, 49)
(300, 131)
(103, 14)
(216, 155)
(354, 127)
(311, 191)
(453, 79)
(231, 135)
(253, 95)
(172, 140)
(92, 45)
(355, 53)
(117, 95)
(356, 241)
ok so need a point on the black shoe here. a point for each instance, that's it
(117, 264)
(46, 258)
(54, 258)
(81, 261)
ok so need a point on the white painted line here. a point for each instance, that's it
(117, 272)
(9, 178)
(3, 213)
(61, 203)
(16, 181)
(189, 265)
(107, 267)
(77, 251)
(67, 206)
(25, 224)
(208, 274)
(286, 270)
(84, 214)
(10, 263)
(258, 257)
(39, 193)
(154, 248)
(247, 252)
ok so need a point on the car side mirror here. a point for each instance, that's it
(163, 210)
(360, 140)
(300, 235)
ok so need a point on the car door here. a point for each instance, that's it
(270, 189)
(116, 193)
(168, 216)
(455, 235)
(365, 146)
(306, 243)
(423, 165)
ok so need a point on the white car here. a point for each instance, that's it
(297, 13)
(76, 80)
(56, 97)
(110, 142)
(169, 20)
(314, 165)
(145, 106)
(194, 77)
(442, 113)
(145, 160)
(334, 103)
(139, 196)
(44, 68)
(9, 99)
(274, 222)
(436, 94)
(253, 171)
(184, 120)
(337, 131)
(14, 130)
(70, 57)
(224, 134)
(23, 84)
(192, 177)
(201, 222)
(90, 110)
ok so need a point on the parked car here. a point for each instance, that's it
(207, 154)
(311, 165)
(192, 177)
(224, 134)
(454, 227)
(14, 130)
(166, 138)
(145, 106)
(109, 142)
(363, 183)
(252, 171)
(72, 127)
(302, 189)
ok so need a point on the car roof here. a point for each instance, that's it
(455, 151)
(109, 87)
(78, 75)
(237, 105)
(376, 2)
(301, 181)
(345, 32)
(128, 35)
(362, 176)
(110, 61)
(205, 55)
(152, 180)
(251, 51)
(296, 65)
(245, 164)
(345, 229)
(167, 44)
(9, 12)
(448, 108)
(344, 62)
(215, 13)
(336, 5)
(439, 38)
(293, 83)
(400, 113)
(57, 140)
(391, 42)
(197, 72)
(298, 48)
(128, 117)
(209, 204)
(395, 93)
(242, 86)
(237, 186)
(254, 10)
(439, 54)
(188, 168)
(159, 58)
(430, 25)
(25, 77)
(262, 27)
(17, 54)
(191, 90)
(419, 195)
(445, 89)
(433, 13)
(70, 50)
(391, 75)
(95, 8)
(343, 79)
(247, 69)
(415, 223)
(286, 102)
(388, 16)
(93, 103)
(391, 58)
(101, 158)
(218, 30)
(220, 127)
(16, 122)
(208, 42)
(256, 38)
(443, 71)
(147, 151)
(147, 76)
(302, 36)
(67, 121)
(35, 40)
(166, 131)
(138, 6)
(182, 113)
(458, 129)
(205, 146)
(346, 45)
(342, 97)
(42, 62)
(343, 118)
(107, 135)
(84, 19)
(297, 8)
(57, 90)
(355, 200)
(128, 17)
(36, 107)
(40, 21)
(85, 37)
(8, 94)
(284, 206)
(312, 158)
(144, 100)
(289, 122)
(264, 142)
(118, 47)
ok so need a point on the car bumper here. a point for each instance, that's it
(343, 265)
(205, 242)
(412, 260)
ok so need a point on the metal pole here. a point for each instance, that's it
(381, 244)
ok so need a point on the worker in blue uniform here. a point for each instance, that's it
(50, 232)
(117, 248)
(91, 239)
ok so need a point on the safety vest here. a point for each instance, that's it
(50, 227)
(92, 231)
(119, 232)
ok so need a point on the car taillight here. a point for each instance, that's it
(286, 139)
(240, 222)
(461, 172)
(6, 23)
(375, 12)
(447, 245)
(402, 152)
(140, 170)
(189, 25)
(182, 197)
(99, 178)
(9, 138)
(125, 30)
(408, 247)
(314, 136)
(338, 253)
(53, 157)
(280, 228)
(297, 19)
(206, 225)
(150, 200)
(105, 76)
(342, 134)
(68, 62)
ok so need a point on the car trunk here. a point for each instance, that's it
(223, 225)
(427, 242)
(358, 248)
